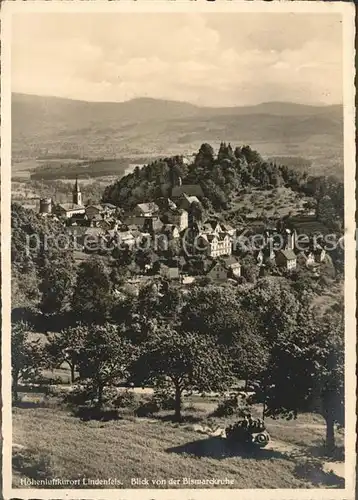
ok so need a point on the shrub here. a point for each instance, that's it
(164, 398)
(227, 407)
(80, 395)
(235, 404)
(125, 399)
(147, 409)
(203, 281)
(30, 461)
(93, 413)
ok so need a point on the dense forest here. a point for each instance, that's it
(36, 254)
(53, 170)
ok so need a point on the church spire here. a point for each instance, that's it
(76, 193)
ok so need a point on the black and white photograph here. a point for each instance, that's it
(178, 256)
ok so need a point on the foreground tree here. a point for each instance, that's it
(249, 351)
(104, 359)
(211, 310)
(306, 372)
(275, 307)
(26, 356)
(56, 285)
(92, 297)
(65, 347)
(187, 361)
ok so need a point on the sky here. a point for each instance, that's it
(227, 59)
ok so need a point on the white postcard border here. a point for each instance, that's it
(347, 10)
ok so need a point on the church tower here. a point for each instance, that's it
(76, 194)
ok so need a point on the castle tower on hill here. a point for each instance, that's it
(76, 194)
(45, 205)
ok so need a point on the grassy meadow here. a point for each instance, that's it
(49, 441)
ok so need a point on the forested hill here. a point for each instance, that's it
(221, 177)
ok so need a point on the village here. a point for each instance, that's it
(178, 241)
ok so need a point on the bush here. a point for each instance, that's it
(227, 407)
(125, 399)
(93, 413)
(164, 398)
(80, 395)
(204, 281)
(147, 409)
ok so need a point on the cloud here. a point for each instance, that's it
(227, 59)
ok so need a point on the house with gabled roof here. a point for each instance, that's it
(93, 211)
(169, 270)
(165, 204)
(188, 189)
(185, 201)
(212, 226)
(225, 268)
(179, 217)
(68, 209)
(171, 231)
(227, 228)
(146, 209)
(93, 239)
(214, 245)
(286, 259)
(306, 258)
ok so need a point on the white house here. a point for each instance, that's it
(214, 245)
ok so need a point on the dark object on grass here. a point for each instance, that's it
(248, 432)
(93, 413)
(147, 409)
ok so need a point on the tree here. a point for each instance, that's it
(275, 307)
(215, 194)
(104, 358)
(56, 285)
(250, 269)
(329, 195)
(92, 297)
(65, 347)
(170, 301)
(196, 212)
(118, 276)
(26, 356)
(212, 310)
(204, 160)
(186, 360)
(148, 300)
(249, 350)
(143, 258)
(36, 240)
(225, 152)
(325, 211)
(306, 372)
(123, 255)
(251, 155)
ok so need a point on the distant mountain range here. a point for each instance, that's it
(146, 126)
